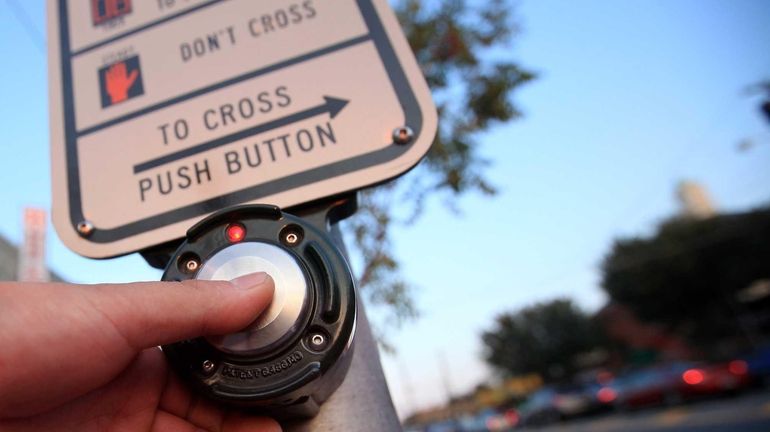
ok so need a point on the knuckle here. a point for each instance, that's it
(204, 285)
(213, 299)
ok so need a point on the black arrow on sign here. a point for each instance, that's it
(331, 105)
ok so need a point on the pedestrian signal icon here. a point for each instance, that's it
(120, 81)
(105, 10)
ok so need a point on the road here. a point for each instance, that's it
(746, 413)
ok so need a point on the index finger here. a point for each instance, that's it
(93, 332)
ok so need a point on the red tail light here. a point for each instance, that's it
(738, 367)
(512, 417)
(606, 395)
(693, 376)
(494, 423)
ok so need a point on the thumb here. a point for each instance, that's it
(94, 332)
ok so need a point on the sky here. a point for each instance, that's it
(632, 97)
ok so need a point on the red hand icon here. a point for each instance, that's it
(119, 81)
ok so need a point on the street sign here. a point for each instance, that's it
(165, 111)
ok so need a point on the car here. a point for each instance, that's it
(442, 426)
(758, 362)
(539, 408)
(649, 386)
(476, 422)
(714, 379)
(502, 421)
(574, 400)
(673, 383)
(558, 402)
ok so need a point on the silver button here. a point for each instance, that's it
(283, 317)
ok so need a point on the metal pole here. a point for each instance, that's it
(362, 402)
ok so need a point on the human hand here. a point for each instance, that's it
(119, 81)
(86, 358)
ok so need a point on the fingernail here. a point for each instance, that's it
(249, 281)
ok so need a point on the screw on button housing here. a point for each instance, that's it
(208, 366)
(317, 340)
(189, 263)
(292, 235)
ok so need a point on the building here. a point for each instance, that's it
(695, 201)
(9, 256)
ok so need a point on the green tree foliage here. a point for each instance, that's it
(687, 275)
(464, 52)
(545, 338)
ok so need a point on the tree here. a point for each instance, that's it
(544, 338)
(765, 105)
(473, 90)
(687, 275)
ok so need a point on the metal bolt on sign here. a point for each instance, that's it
(85, 228)
(403, 135)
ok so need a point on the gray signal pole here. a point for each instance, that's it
(362, 402)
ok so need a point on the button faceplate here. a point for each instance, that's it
(282, 318)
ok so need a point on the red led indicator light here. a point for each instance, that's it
(235, 232)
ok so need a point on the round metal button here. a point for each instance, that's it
(282, 318)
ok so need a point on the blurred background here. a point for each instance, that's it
(587, 245)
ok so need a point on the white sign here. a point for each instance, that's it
(31, 265)
(164, 111)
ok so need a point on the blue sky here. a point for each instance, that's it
(633, 96)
